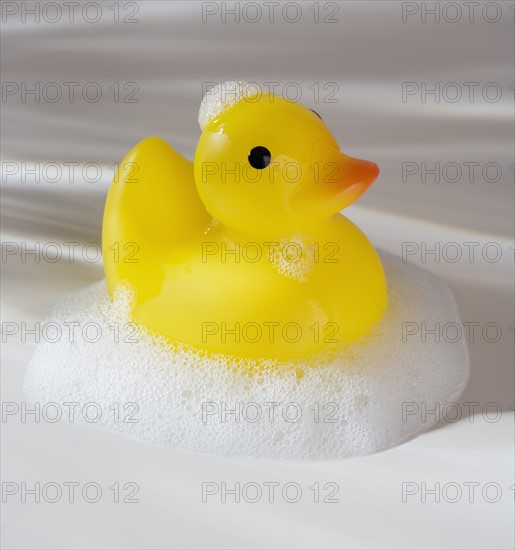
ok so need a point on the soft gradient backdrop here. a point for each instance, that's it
(368, 68)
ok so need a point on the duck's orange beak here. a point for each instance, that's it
(354, 177)
(337, 181)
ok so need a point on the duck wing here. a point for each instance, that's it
(152, 206)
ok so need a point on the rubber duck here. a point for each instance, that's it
(244, 251)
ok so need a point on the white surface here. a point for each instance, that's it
(169, 54)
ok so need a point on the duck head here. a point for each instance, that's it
(267, 165)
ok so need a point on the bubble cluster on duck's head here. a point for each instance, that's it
(222, 96)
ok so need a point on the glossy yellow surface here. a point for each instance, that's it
(239, 260)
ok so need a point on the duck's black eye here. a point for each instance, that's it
(259, 157)
(316, 114)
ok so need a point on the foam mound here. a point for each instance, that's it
(367, 398)
(221, 97)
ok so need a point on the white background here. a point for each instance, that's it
(169, 52)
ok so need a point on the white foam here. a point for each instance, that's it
(368, 383)
(294, 257)
(221, 97)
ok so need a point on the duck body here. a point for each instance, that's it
(282, 287)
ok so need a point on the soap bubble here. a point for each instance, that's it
(222, 96)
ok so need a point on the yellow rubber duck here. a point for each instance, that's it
(244, 251)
